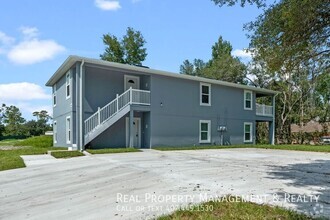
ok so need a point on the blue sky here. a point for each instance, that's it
(37, 36)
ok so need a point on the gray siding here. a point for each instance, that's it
(62, 110)
(101, 87)
(176, 122)
(172, 119)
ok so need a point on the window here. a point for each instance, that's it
(248, 100)
(204, 131)
(205, 94)
(68, 85)
(247, 132)
(54, 95)
(68, 130)
(55, 131)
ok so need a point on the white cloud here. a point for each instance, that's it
(5, 39)
(29, 32)
(22, 91)
(242, 53)
(107, 5)
(30, 49)
(34, 51)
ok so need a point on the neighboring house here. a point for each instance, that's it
(102, 104)
(312, 127)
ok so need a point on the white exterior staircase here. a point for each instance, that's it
(113, 111)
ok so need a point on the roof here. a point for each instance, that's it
(73, 59)
(309, 127)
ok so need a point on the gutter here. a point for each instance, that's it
(82, 145)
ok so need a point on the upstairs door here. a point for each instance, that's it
(131, 81)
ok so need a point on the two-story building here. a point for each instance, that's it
(101, 104)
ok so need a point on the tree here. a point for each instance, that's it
(259, 3)
(222, 65)
(195, 69)
(129, 50)
(40, 126)
(221, 49)
(292, 32)
(13, 121)
(226, 68)
(2, 126)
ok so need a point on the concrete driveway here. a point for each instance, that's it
(146, 184)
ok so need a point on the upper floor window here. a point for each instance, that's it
(68, 84)
(248, 100)
(205, 94)
(54, 95)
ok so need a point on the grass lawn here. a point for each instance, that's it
(112, 150)
(226, 210)
(318, 148)
(10, 159)
(9, 142)
(66, 154)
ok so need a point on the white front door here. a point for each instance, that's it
(131, 81)
(136, 132)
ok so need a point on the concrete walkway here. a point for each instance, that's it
(147, 184)
(35, 160)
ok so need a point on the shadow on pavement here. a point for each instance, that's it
(314, 176)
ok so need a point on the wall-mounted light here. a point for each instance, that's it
(161, 104)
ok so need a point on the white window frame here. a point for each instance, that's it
(68, 83)
(68, 130)
(201, 94)
(248, 92)
(208, 131)
(54, 96)
(251, 132)
(55, 131)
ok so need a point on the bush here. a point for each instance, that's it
(39, 141)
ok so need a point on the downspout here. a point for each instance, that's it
(82, 145)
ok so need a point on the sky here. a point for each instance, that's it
(37, 36)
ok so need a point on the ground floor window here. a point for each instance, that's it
(68, 130)
(55, 131)
(204, 131)
(247, 132)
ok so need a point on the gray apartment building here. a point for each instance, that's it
(101, 104)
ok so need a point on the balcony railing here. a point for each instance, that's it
(264, 110)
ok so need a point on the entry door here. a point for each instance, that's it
(132, 81)
(136, 132)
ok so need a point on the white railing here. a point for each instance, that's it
(264, 110)
(131, 96)
(140, 97)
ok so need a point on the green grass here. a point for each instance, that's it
(40, 141)
(9, 142)
(66, 154)
(317, 148)
(112, 150)
(226, 210)
(10, 159)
